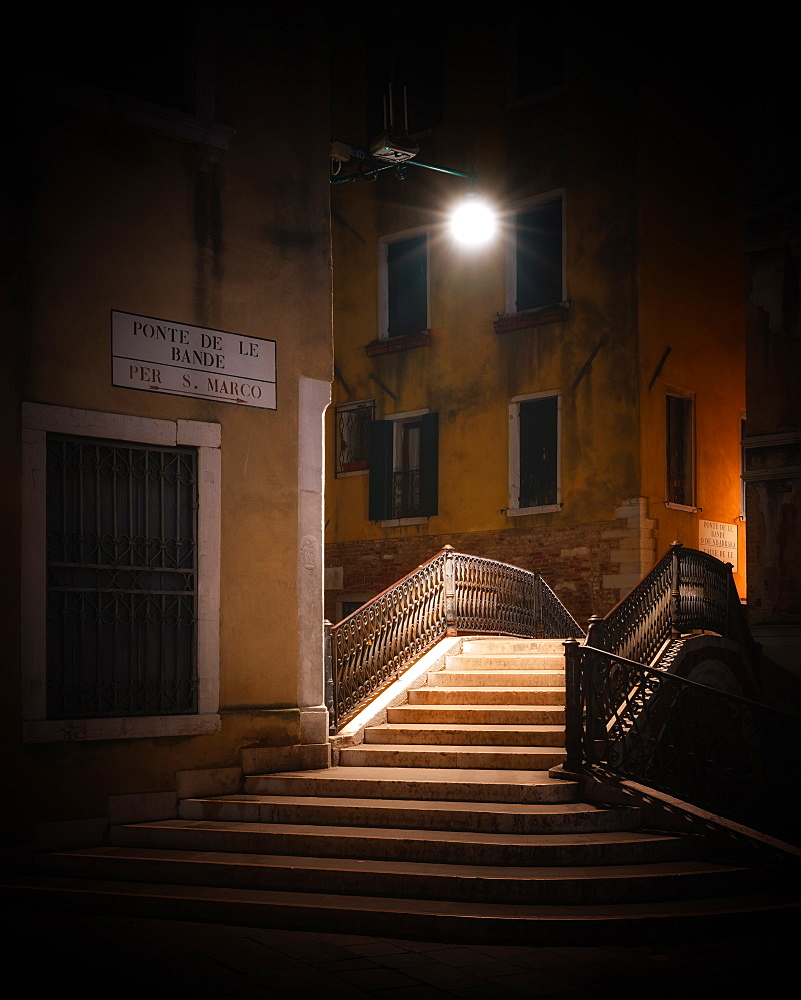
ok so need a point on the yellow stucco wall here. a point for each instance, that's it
(112, 216)
(652, 260)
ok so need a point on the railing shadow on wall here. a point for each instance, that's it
(451, 594)
(628, 719)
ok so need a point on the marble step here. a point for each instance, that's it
(527, 885)
(487, 696)
(515, 647)
(473, 715)
(424, 783)
(497, 678)
(504, 661)
(496, 923)
(464, 735)
(472, 817)
(457, 757)
(442, 846)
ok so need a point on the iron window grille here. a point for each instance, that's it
(121, 579)
(353, 436)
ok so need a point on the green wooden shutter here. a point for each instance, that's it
(429, 465)
(380, 505)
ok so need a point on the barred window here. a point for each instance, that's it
(353, 436)
(121, 579)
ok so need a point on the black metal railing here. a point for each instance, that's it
(450, 594)
(686, 590)
(724, 753)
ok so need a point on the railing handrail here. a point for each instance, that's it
(371, 646)
(711, 748)
(585, 650)
(393, 586)
(670, 610)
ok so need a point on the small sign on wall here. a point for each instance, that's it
(182, 360)
(719, 539)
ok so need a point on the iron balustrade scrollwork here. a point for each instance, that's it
(717, 750)
(449, 594)
(686, 590)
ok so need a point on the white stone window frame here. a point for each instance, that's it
(383, 276)
(398, 419)
(513, 510)
(693, 507)
(37, 421)
(557, 194)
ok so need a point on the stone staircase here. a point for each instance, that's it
(442, 823)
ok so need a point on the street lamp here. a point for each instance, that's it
(473, 222)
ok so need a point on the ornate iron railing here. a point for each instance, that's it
(686, 590)
(718, 751)
(450, 594)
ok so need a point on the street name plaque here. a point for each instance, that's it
(719, 539)
(179, 359)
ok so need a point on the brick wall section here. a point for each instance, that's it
(573, 559)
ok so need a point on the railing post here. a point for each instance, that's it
(595, 636)
(450, 590)
(329, 678)
(573, 734)
(731, 592)
(675, 591)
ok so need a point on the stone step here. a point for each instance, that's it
(425, 783)
(479, 715)
(497, 678)
(502, 924)
(457, 757)
(504, 661)
(564, 886)
(515, 647)
(487, 696)
(464, 735)
(444, 846)
(474, 817)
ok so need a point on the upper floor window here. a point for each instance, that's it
(534, 454)
(408, 60)
(537, 50)
(404, 292)
(404, 466)
(679, 450)
(353, 436)
(164, 55)
(537, 265)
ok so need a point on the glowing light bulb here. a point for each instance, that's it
(473, 222)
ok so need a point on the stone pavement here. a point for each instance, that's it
(120, 957)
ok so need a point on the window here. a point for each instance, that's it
(404, 466)
(401, 55)
(679, 451)
(537, 265)
(404, 304)
(121, 579)
(163, 56)
(537, 50)
(353, 436)
(534, 454)
(120, 602)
